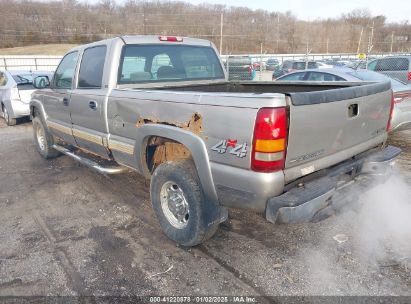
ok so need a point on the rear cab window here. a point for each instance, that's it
(160, 63)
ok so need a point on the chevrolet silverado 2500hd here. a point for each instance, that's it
(163, 106)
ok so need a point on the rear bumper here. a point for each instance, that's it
(307, 199)
(17, 108)
(401, 117)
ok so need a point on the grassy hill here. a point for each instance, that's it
(44, 49)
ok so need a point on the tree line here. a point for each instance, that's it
(244, 30)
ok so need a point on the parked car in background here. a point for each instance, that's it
(402, 91)
(398, 67)
(323, 65)
(16, 88)
(289, 66)
(259, 65)
(240, 68)
(272, 64)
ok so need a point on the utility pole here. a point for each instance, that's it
(392, 42)
(144, 18)
(307, 52)
(370, 45)
(261, 61)
(221, 32)
(328, 40)
(278, 33)
(359, 40)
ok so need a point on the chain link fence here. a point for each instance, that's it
(29, 63)
(263, 67)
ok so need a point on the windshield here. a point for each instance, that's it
(160, 63)
(23, 78)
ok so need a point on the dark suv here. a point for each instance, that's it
(289, 66)
(240, 68)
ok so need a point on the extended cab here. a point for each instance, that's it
(162, 106)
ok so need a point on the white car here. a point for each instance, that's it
(16, 88)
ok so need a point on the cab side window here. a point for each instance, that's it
(3, 79)
(293, 77)
(63, 78)
(317, 76)
(92, 67)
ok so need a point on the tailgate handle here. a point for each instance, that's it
(353, 110)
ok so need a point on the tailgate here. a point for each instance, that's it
(327, 127)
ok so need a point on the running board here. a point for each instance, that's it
(90, 163)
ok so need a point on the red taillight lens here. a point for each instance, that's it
(270, 140)
(391, 109)
(170, 38)
(409, 75)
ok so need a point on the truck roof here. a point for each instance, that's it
(146, 39)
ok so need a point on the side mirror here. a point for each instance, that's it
(41, 82)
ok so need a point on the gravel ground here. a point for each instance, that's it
(66, 230)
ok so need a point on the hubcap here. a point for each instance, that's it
(41, 139)
(174, 205)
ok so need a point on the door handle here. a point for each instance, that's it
(65, 101)
(353, 110)
(92, 105)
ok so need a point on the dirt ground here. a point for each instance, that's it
(66, 230)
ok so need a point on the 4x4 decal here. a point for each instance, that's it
(239, 150)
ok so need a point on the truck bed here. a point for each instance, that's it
(261, 87)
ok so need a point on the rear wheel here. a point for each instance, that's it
(9, 121)
(43, 139)
(179, 203)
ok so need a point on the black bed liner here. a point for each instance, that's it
(306, 93)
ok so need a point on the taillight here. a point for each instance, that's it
(14, 94)
(409, 75)
(270, 140)
(391, 109)
(402, 96)
(170, 38)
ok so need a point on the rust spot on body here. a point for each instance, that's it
(170, 151)
(195, 124)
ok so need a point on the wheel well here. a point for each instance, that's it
(34, 111)
(162, 149)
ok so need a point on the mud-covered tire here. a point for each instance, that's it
(9, 121)
(43, 139)
(183, 174)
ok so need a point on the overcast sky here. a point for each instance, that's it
(394, 10)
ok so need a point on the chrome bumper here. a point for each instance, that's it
(307, 199)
